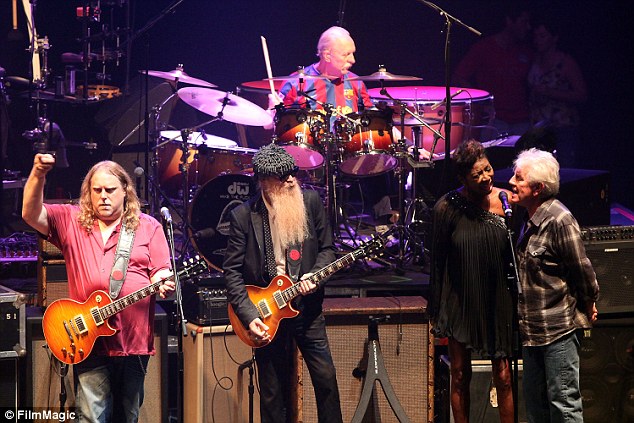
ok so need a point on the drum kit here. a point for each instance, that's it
(211, 175)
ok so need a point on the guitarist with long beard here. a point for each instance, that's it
(283, 230)
(109, 382)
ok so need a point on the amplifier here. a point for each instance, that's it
(611, 252)
(12, 323)
(204, 305)
(606, 233)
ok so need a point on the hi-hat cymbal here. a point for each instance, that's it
(236, 110)
(180, 76)
(383, 75)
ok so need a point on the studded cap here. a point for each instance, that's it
(272, 160)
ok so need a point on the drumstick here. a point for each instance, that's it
(265, 50)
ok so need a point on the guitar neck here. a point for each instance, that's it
(340, 263)
(124, 302)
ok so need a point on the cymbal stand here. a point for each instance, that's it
(404, 159)
(336, 213)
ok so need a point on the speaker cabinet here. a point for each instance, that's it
(216, 376)
(52, 280)
(43, 382)
(483, 400)
(613, 262)
(8, 384)
(607, 371)
(405, 344)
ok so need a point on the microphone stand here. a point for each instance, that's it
(514, 276)
(249, 364)
(181, 318)
(449, 20)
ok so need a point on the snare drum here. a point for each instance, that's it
(206, 159)
(367, 142)
(297, 131)
(471, 111)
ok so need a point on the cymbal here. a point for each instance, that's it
(179, 76)
(237, 109)
(383, 75)
(295, 76)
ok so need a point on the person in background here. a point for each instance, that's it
(470, 300)
(109, 382)
(559, 291)
(499, 64)
(283, 230)
(557, 88)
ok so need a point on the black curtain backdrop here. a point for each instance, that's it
(219, 41)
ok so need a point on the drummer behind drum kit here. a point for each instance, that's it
(214, 172)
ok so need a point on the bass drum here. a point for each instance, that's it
(209, 214)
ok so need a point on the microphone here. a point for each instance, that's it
(166, 214)
(203, 134)
(204, 234)
(442, 103)
(508, 212)
(138, 171)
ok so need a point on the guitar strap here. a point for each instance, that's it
(121, 260)
(293, 261)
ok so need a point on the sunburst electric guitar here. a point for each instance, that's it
(71, 328)
(274, 301)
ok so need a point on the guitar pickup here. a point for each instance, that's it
(264, 309)
(79, 325)
(96, 316)
(279, 299)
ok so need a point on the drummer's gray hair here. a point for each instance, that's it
(329, 36)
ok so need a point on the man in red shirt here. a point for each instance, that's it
(109, 382)
(499, 64)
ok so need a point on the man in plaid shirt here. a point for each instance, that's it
(559, 291)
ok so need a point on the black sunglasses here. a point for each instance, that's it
(292, 172)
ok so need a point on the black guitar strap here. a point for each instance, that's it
(293, 261)
(121, 260)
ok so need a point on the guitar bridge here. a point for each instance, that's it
(263, 308)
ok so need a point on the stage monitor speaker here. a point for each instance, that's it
(216, 376)
(43, 381)
(607, 371)
(612, 256)
(406, 347)
(484, 407)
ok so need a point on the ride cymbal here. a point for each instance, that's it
(234, 109)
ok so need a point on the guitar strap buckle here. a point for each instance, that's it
(121, 260)
(294, 261)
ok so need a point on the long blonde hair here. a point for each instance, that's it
(131, 207)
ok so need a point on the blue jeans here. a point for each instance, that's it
(110, 389)
(275, 362)
(551, 382)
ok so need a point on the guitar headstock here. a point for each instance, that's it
(375, 246)
(192, 267)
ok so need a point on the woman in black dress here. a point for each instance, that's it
(471, 302)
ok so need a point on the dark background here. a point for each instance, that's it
(219, 41)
